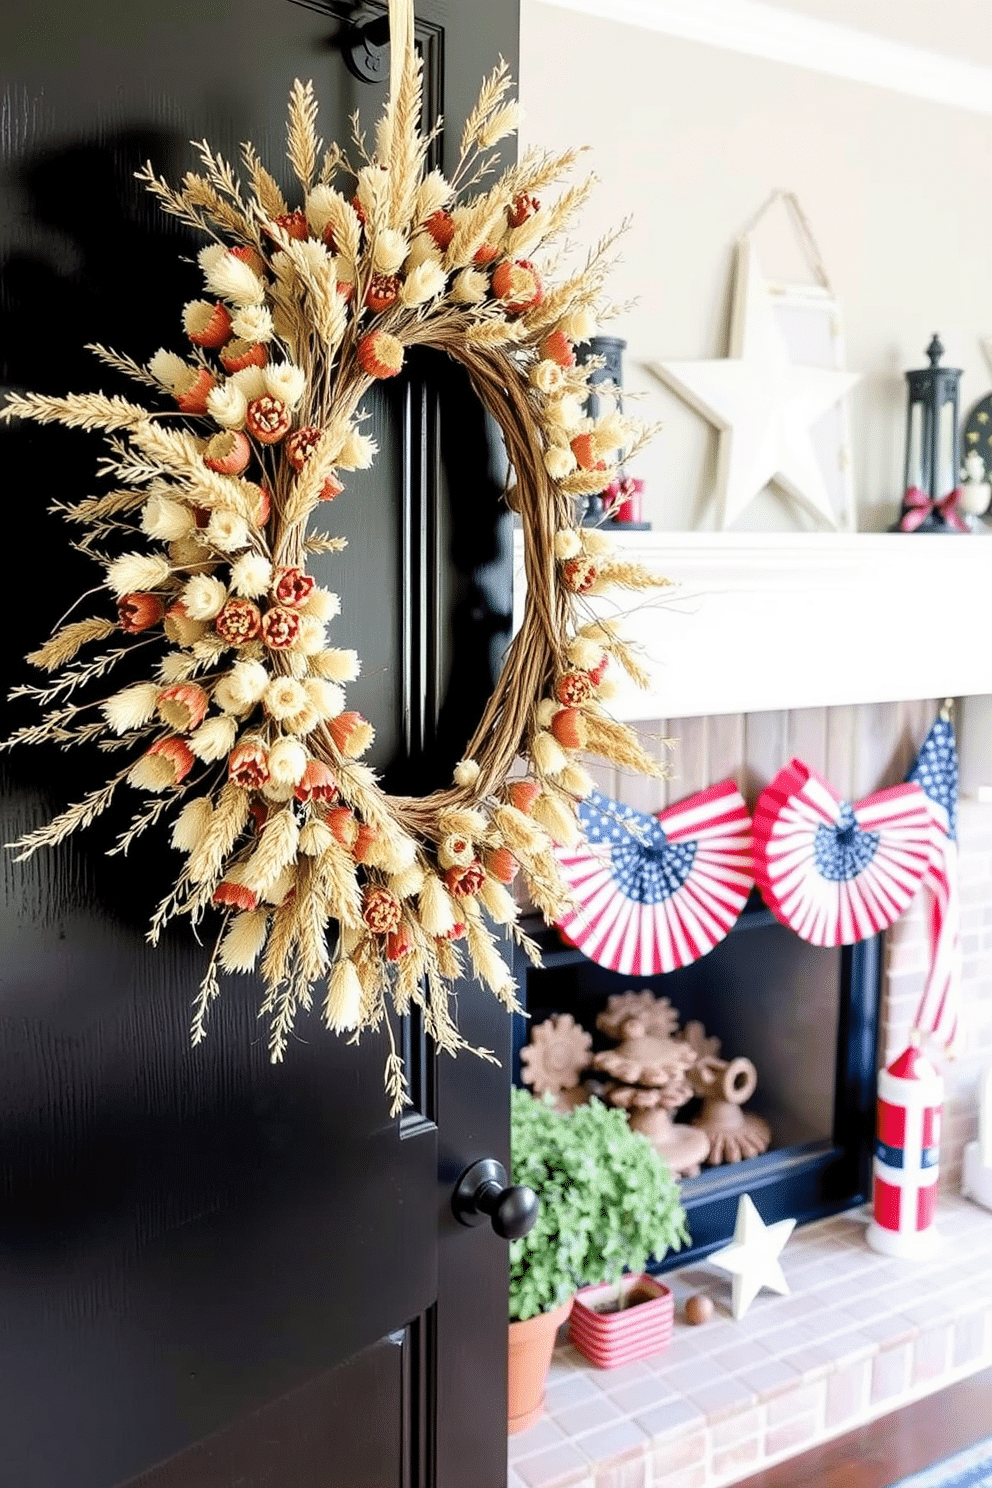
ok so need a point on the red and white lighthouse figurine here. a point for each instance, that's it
(907, 1149)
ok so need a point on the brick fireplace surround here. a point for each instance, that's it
(793, 630)
(769, 646)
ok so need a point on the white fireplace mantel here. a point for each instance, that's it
(760, 620)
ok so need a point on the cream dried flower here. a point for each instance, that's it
(230, 277)
(326, 698)
(175, 666)
(568, 544)
(214, 739)
(167, 368)
(388, 251)
(191, 823)
(611, 433)
(565, 412)
(311, 637)
(340, 665)
(437, 914)
(466, 773)
(577, 781)
(280, 886)
(372, 184)
(287, 762)
(423, 283)
(253, 323)
(323, 604)
(227, 404)
(242, 687)
(136, 573)
(249, 381)
(203, 597)
(286, 382)
(343, 1004)
(357, 451)
(132, 708)
(251, 576)
(408, 882)
(314, 256)
(227, 531)
(547, 754)
(559, 461)
(165, 519)
(277, 792)
(321, 208)
(434, 192)
(246, 935)
(284, 697)
(469, 287)
(579, 324)
(423, 250)
(583, 651)
(547, 376)
(315, 839)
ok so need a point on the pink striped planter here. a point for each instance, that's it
(637, 1331)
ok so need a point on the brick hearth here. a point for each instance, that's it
(859, 1336)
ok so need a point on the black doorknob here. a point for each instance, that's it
(365, 47)
(481, 1192)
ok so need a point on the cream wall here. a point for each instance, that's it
(690, 139)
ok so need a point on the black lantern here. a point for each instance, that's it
(931, 493)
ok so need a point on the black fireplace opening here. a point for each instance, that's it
(808, 1019)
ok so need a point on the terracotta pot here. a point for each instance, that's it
(641, 1328)
(531, 1347)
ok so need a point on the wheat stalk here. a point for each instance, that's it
(304, 145)
(65, 643)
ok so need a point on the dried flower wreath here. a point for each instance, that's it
(245, 723)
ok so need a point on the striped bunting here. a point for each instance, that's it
(655, 893)
(833, 871)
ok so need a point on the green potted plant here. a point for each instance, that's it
(608, 1202)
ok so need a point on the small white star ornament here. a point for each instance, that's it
(764, 405)
(752, 1256)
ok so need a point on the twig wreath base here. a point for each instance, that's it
(243, 730)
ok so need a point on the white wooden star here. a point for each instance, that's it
(752, 1256)
(763, 404)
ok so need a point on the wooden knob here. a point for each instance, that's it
(699, 1309)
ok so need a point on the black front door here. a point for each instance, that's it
(214, 1271)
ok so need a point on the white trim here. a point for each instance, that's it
(778, 35)
(773, 620)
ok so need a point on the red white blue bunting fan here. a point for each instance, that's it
(936, 771)
(837, 872)
(653, 893)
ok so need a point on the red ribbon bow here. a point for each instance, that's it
(921, 506)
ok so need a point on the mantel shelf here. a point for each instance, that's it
(760, 620)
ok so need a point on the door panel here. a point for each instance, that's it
(334, 1419)
(210, 1267)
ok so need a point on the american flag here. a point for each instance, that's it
(936, 771)
(653, 893)
(837, 871)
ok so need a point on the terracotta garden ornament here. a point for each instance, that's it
(649, 1076)
(725, 1086)
(553, 1061)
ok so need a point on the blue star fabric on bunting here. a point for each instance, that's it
(936, 771)
(838, 871)
(653, 893)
